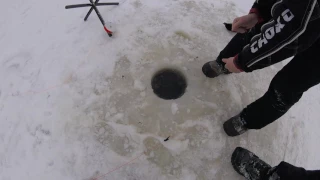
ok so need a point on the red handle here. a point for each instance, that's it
(108, 31)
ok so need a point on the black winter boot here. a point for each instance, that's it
(235, 126)
(213, 69)
(249, 165)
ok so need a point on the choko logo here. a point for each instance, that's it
(286, 16)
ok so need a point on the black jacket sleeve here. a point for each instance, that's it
(263, 8)
(289, 20)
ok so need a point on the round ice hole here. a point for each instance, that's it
(169, 84)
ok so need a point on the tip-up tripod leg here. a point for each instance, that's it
(77, 6)
(90, 11)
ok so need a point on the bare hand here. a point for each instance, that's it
(242, 24)
(230, 65)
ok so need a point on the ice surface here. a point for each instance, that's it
(174, 108)
(76, 104)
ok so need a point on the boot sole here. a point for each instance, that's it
(234, 158)
(241, 155)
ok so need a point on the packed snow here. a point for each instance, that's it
(78, 105)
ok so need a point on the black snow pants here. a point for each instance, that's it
(287, 87)
(285, 171)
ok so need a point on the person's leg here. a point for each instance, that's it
(285, 90)
(214, 68)
(286, 171)
(235, 46)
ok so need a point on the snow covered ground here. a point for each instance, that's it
(77, 105)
